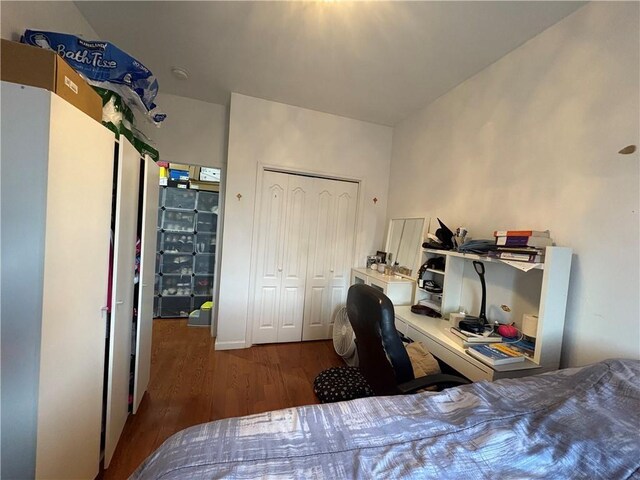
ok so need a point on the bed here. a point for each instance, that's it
(573, 423)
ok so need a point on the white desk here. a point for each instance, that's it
(434, 334)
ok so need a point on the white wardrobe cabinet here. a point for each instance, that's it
(57, 169)
(305, 248)
(57, 188)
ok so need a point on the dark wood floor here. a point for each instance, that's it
(191, 383)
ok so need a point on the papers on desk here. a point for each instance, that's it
(524, 266)
(469, 339)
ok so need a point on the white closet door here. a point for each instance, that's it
(271, 227)
(344, 249)
(331, 250)
(293, 266)
(75, 288)
(147, 275)
(122, 295)
(282, 258)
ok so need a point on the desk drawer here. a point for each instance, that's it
(401, 326)
(453, 359)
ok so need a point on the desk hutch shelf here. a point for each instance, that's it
(511, 293)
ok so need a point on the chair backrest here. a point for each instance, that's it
(371, 315)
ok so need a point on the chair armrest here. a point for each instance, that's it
(439, 379)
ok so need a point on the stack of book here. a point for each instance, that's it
(496, 353)
(521, 245)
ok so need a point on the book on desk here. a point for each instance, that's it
(496, 353)
(468, 338)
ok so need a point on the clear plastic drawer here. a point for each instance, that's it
(177, 242)
(175, 285)
(207, 202)
(203, 285)
(175, 307)
(207, 222)
(205, 242)
(174, 221)
(177, 263)
(180, 198)
(204, 263)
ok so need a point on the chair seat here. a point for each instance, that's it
(338, 384)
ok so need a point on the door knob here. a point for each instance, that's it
(279, 269)
(120, 302)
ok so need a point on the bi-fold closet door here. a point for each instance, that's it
(305, 247)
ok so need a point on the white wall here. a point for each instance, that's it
(278, 135)
(53, 16)
(194, 132)
(532, 142)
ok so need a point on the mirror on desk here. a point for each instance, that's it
(404, 242)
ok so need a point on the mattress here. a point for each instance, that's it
(573, 423)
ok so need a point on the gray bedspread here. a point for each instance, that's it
(574, 423)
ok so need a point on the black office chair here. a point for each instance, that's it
(384, 365)
(384, 361)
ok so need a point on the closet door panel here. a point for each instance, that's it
(269, 254)
(125, 234)
(148, 240)
(315, 301)
(344, 246)
(319, 258)
(331, 254)
(294, 264)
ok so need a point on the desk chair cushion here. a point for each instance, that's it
(338, 384)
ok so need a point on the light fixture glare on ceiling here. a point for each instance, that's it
(180, 73)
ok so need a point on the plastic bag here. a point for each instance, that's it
(104, 65)
(118, 118)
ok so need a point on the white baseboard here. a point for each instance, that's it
(230, 345)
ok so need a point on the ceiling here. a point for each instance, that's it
(372, 61)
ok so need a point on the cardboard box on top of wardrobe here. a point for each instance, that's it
(42, 68)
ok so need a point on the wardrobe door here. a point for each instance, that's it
(150, 190)
(76, 260)
(119, 356)
(270, 250)
(331, 249)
